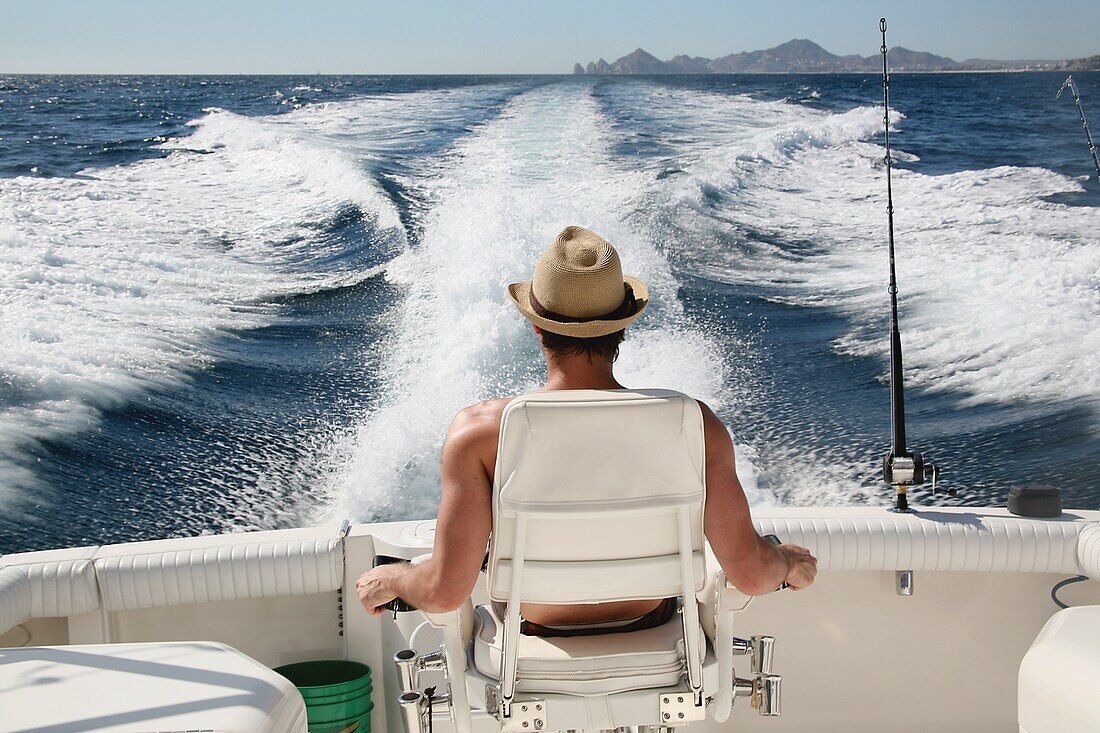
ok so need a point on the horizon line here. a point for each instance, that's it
(537, 73)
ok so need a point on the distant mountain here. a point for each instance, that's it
(801, 55)
(903, 58)
(1092, 63)
(639, 62)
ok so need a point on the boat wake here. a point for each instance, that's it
(118, 281)
(121, 281)
(498, 199)
(994, 274)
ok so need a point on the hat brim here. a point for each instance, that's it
(520, 295)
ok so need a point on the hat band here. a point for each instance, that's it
(625, 309)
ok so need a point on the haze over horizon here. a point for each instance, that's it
(492, 36)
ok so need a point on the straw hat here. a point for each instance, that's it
(578, 288)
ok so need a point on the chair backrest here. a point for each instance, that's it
(596, 494)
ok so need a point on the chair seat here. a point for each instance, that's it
(600, 664)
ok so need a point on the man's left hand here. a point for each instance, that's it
(374, 588)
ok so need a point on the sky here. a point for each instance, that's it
(498, 37)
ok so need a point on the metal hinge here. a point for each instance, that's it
(678, 708)
(525, 716)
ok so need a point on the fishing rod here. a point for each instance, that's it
(900, 467)
(1072, 85)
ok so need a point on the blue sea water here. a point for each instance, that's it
(255, 302)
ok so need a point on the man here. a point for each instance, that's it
(579, 304)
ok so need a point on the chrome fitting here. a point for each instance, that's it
(763, 647)
(406, 661)
(416, 704)
(432, 661)
(410, 665)
(764, 693)
(903, 581)
(414, 710)
(769, 689)
(764, 688)
(760, 650)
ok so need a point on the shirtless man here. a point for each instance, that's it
(582, 308)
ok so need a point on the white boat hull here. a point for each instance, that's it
(854, 654)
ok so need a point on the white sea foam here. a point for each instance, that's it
(1000, 288)
(499, 199)
(116, 281)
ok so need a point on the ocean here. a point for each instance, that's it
(234, 303)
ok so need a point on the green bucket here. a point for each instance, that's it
(337, 694)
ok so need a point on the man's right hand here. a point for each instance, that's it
(801, 566)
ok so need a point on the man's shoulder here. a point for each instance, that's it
(484, 411)
(479, 421)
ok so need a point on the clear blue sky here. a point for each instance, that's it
(494, 36)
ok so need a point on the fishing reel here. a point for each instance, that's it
(909, 469)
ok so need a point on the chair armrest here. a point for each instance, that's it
(458, 630)
(719, 595)
(727, 601)
(460, 620)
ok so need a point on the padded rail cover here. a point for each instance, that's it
(1088, 551)
(988, 540)
(61, 587)
(15, 598)
(180, 573)
(47, 584)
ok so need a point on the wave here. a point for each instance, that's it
(999, 284)
(119, 280)
(501, 196)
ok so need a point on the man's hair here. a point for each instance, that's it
(601, 347)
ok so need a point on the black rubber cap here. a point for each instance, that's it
(1035, 501)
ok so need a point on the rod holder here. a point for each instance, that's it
(406, 662)
(413, 710)
(410, 665)
(764, 688)
(416, 704)
(765, 693)
(763, 648)
(768, 698)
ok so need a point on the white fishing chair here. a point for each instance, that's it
(598, 497)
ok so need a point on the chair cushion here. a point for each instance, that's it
(600, 664)
(1059, 674)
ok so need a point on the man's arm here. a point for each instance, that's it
(751, 563)
(461, 531)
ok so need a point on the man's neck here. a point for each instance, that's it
(577, 372)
